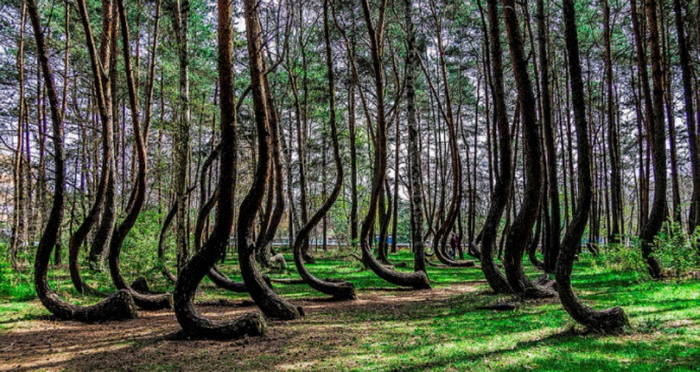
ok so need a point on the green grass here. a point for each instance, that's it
(451, 334)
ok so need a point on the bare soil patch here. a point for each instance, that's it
(328, 331)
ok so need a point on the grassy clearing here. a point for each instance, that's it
(397, 331)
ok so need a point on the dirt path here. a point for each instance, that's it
(328, 330)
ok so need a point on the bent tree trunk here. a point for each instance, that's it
(119, 305)
(101, 82)
(442, 233)
(611, 320)
(145, 301)
(504, 182)
(521, 228)
(215, 275)
(194, 324)
(418, 279)
(269, 302)
(341, 290)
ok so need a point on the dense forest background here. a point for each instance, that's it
(162, 139)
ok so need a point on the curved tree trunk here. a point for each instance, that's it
(504, 183)
(99, 66)
(118, 306)
(272, 305)
(145, 301)
(442, 232)
(193, 323)
(418, 279)
(607, 321)
(340, 290)
(521, 228)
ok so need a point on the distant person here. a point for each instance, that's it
(454, 244)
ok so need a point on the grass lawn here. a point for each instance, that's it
(386, 329)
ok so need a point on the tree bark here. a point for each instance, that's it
(504, 182)
(118, 306)
(272, 305)
(687, 80)
(416, 174)
(657, 142)
(340, 290)
(418, 279)
(607, 321)
(194, 324)
(521, 229)
(144, 300)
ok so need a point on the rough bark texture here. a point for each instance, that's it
(521, 229)
(611, 320)
(657, 141)
(416, 174)
(98, 65)
(340, 290)
(418, 279)
(145, 301)
(613, 141)
(551, 242)
(116, 307)
(194, 324)
(180, 9)
(272, 305)
(503, 185)
(687, 78)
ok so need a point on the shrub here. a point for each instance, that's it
(676, 249)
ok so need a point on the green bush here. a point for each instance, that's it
(13, 285)
(623, 257)
(676, 250)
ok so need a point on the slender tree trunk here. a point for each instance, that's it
(192, 322)
(612, 132)
(118, 306)
(551, 248)
(145, 301)
(687, 80)
(416, 279)
(341, 290)
(607, 321)
(657, 142)
(180, 9)
(521, 229)
(502, 189)
(100, 65)
(270, 303)
(19, 225)
(416, 174)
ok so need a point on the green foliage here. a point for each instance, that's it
(623, 257)
(17, 286)
(676, 250)
(389, 331)
(138, 256)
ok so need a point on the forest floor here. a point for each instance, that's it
(387, 328)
